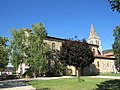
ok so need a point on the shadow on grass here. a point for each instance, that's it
(43, 89)
(109, 85)
(80, 80)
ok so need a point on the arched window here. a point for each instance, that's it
(53, 46)
(96, 42)
(93, 51)
(91, 42)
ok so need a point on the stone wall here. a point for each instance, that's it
(57, 44)
(105, 65)
(101, 64)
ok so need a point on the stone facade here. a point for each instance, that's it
(105, 64)
(101, 64)
(55, 43)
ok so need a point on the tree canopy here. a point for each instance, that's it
(115, 4)
(116, 45)
(17, 47)
(37, 49)
(3, 53)
(76, 53)
(27, 46)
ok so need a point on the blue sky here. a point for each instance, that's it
(62, 18)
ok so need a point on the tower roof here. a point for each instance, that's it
(93, 33)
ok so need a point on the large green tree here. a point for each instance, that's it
(115, 4)
(77, 54)
(3, 53)
(37, 48)
(116, 45)
(17, 47)
(27, 46)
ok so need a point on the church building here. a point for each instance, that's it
(103, 63)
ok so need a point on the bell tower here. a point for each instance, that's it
(95, 39)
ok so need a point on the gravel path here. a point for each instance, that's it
(111, 77)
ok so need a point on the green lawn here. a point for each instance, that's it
(110, 74)
(73, 84)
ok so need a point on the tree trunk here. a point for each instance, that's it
(79, 73)
(34, 74)
(49, 65)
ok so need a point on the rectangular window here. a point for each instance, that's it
(98, 64)
(107, 64)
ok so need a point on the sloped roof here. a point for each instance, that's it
(93, 33)
(107, 51)
(104, 57)
(60, 39)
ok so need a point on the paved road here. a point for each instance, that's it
(15, 85)
(19, 88)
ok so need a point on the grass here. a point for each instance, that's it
(110, 74)
(73, 84)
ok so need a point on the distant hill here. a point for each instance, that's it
(106, 51)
